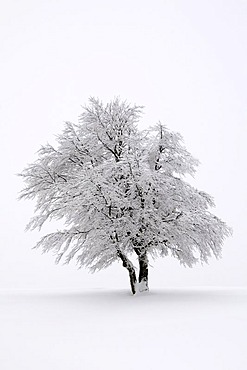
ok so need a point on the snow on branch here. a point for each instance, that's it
(106, 177)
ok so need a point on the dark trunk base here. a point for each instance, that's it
(143, 272)
(133, 281)
(132, 274)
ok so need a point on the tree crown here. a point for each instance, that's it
(120, 190)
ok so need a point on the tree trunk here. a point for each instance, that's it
(143, 269)
(132, 275)
(129, 266)
(143, 273)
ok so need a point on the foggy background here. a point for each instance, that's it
(185, 61)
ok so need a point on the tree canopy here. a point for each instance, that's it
(120, 191)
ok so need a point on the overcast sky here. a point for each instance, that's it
(185, 61)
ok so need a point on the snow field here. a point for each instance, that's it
(187, 329)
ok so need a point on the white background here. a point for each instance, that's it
(185, 61)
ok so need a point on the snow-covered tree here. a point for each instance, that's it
(121, 191)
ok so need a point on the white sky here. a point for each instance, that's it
(185, 61)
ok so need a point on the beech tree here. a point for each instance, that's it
(120, 192)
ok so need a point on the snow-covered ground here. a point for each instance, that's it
(187, 329)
